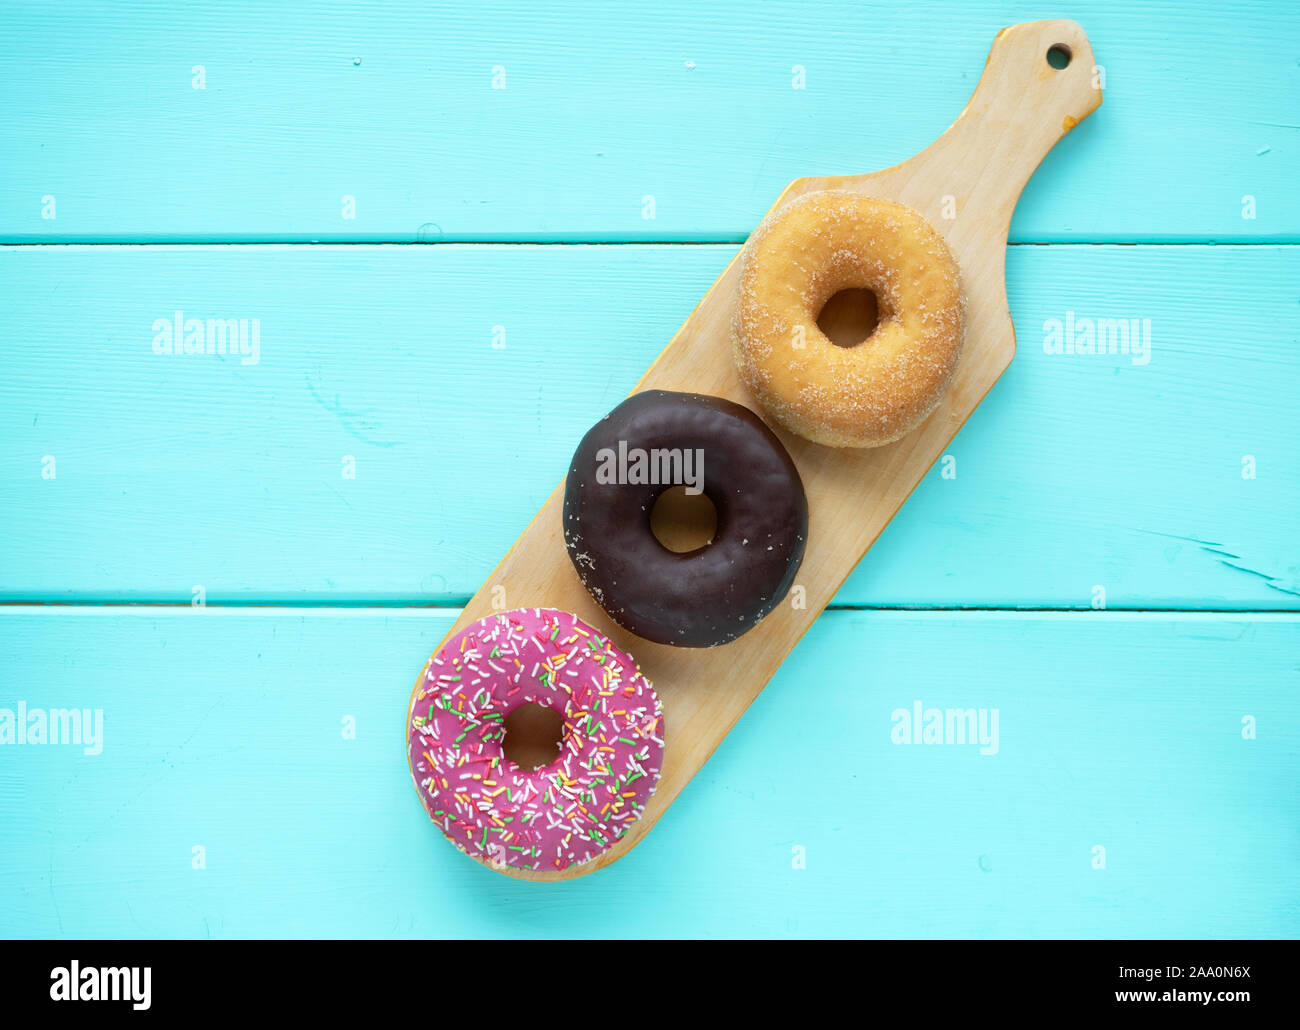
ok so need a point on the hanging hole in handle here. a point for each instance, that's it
(1059, 56)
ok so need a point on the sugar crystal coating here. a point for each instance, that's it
(801, 256)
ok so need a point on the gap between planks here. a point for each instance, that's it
(593, 242)
(398, 610)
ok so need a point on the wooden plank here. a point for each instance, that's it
(223, 729)
(174, 472)
(604, 106)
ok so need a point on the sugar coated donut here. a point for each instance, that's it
(558, 815)
(797, 260)
(710, 595)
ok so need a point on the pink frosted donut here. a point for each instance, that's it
(558, 815)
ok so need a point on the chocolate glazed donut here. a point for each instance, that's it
(710, 595)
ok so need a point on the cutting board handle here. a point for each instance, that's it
(1021, 108)
(968, 180)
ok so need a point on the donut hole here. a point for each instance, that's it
(1058, 57)
(533, 735)
(683, 522)
(850, 317)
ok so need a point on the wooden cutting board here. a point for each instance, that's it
(967, 183)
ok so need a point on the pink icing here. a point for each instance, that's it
(558, 815)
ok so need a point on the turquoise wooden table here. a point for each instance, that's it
(457, 236)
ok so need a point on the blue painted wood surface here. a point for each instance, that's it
(129, 476)
(1080, 471)
(224, 731)
(392, 104)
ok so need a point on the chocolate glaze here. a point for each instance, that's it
(717, 592)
